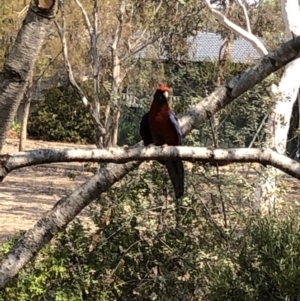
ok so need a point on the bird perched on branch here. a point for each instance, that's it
(160, 126)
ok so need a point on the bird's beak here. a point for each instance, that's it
(166, 94)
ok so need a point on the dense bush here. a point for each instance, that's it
(266, 266)
(61, 116)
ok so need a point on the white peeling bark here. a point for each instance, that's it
(284, 97)
(246, 34)
(286, 93)
(9, 163)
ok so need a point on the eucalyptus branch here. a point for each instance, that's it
(123, 155)
(86, 18)
(223, 20)
(246, 15)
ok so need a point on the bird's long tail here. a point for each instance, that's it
(176, 173)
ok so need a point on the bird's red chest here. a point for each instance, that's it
(162, 129)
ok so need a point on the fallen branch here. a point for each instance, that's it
(123, 155)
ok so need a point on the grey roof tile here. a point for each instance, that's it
(206, 46)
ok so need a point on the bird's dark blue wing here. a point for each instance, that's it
(177, 127)
(145, 130)
(146, 133)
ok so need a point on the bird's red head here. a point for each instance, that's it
(162, 94)
(163, 88)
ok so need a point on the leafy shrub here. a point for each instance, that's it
(129, 126)
(16, 127)
(266, 266)
(61, 116)
(148, 247)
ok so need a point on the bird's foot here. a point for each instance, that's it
(164, 145)
(149, 145)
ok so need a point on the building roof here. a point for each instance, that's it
(207, 45)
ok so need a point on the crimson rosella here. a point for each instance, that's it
(160, 126)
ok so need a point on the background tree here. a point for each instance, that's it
(285, 94)
(14, 77)
(135, 220)
(117, 56)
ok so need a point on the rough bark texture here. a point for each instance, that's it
(67, 208)
(123, 155)
(20, 62)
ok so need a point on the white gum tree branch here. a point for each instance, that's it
(67, 208)
(284, 96)
(240, 2)
(96, 59)
(256, 43)
(239, 84)
(86, 18)
(112, 112)
(123, 155)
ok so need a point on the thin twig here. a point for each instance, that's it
(246, 15)
(218, 176)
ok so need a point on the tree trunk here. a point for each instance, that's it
(27, 102)
(112, 115)
(112, 125)
(223, 58)
(279, 121)
(20, 62)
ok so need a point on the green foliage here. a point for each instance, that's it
(236, 124)
(129, 128)
(140, 255)
(266, 266)
(191, 81)
(61, 116)
(148, 247)
(16, 127)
